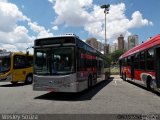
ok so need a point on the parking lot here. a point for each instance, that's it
(114, 96)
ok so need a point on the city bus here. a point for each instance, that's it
(67, 64)
(16, 67)
(141, 64)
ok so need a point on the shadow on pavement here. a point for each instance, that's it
(140, 86)
(14, 85)
(82, 96)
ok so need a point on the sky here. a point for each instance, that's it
(23, 21)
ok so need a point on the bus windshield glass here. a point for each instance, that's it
(4, 64)
(54, 61)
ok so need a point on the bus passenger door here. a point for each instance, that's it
(132, 67)
(157, 66)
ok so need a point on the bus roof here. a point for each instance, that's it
(74, 36)
(58, 36)
(147, 44)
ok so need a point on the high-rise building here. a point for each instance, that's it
(132, 41)
(106, 49)
(121, 42)
(93, 42)
(100, 46)
(113, 48)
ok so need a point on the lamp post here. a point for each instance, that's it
(106, 11)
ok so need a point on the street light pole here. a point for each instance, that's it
(106, 9)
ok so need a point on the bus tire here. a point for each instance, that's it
(107, 76)
(89, 82)
(124, 76)
(14, 83)
(29, 79)
(150, 83)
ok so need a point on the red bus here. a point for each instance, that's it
(141, 64)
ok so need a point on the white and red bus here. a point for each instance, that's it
(67, 64)
(141, 64)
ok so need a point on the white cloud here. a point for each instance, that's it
(138, 21)
(9, 14)
(14, 37)
(12, 34)
(51, 1)
(3, 0)
(71, 12)
(18, 35)
(9, 47)
(42, 32)
(55, 27)
(75, 13)
(116, 22)
(85, 14)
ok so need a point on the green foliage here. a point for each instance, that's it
(108, 58)
(114, 71)
(116, 54)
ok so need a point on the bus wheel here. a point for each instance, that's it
(89, 82)
(14, 83)
(150, 85)
(124, 77)
(29, 79)
(107, 76)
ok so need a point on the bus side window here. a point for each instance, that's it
(81, 60)
(150, 59)
(19, 62)
(29, 61)
(142, 60)
(136, 61)
(129, 61)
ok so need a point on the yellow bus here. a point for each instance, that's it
(16, 67)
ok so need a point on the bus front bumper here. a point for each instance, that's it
(70, 87)
(65, 83)
(6, 78)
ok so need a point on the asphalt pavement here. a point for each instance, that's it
(113, 96)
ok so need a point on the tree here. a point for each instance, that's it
(116, 54)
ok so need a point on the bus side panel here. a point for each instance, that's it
(139, 74)
(82, 78)
(127, 70)
(18, 75)
(21, 74)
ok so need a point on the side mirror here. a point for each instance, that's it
(27, 53)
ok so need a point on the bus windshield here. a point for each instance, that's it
(54, 61)
(4, 64)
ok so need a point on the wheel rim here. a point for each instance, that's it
(29, 79)
(152, 84)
